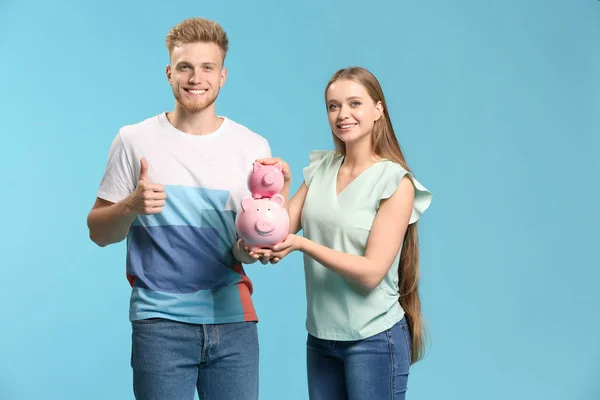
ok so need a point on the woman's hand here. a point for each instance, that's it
(285, 170)
(291, 243)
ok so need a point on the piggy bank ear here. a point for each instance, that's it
(278, 199)
(256, 165)
(279, 166)
(247, 203)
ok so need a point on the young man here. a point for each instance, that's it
(172, 187)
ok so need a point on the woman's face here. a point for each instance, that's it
(351, 111)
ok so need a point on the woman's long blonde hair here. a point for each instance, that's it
(385, 145)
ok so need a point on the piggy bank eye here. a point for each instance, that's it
(268, 209)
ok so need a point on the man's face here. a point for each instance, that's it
(196, 74)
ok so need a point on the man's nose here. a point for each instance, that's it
(195, 76)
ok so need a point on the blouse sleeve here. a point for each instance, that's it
(316, 160)
(389, 186)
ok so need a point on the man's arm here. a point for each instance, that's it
(109, 222)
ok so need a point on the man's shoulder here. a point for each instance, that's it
(130, 131)
(244, 133)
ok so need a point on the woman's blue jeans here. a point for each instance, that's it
(373, 368)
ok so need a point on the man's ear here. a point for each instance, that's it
(168, 73)
(223, 76)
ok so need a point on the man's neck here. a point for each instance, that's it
(195, 123)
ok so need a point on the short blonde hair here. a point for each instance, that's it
(197, 30)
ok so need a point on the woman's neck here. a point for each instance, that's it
(359, 155)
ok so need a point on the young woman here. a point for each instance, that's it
(358, 208)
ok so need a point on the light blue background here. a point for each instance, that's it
(497, 106)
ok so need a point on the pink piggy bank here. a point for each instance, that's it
(265, 180)
(262, 223)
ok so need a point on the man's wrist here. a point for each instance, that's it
(126, 206)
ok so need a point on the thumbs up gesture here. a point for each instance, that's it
(148, 198)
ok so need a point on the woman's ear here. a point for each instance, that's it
(379, 110)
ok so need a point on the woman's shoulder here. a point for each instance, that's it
(320, 156)
(389, 181)
(318, 163)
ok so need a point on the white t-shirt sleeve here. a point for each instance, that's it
(118, 181)
(265, 151)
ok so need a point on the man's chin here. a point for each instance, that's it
(193, 106)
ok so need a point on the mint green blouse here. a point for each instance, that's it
(338, 309)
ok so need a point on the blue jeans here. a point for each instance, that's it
(373, 368)
(171, 360)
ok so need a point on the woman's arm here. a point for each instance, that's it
(295, 208)
(385, 239)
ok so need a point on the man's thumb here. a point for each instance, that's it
(143, 170)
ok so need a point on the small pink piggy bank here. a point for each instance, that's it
(265, 180)
(262, 223)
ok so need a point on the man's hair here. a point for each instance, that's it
(197, 30)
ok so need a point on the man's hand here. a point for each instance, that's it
(148, 198)
(110, 222)
(240, 252)
(243, 254)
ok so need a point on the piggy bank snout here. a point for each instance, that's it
(268, 179)
(264, 226)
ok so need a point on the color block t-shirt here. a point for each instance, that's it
(338, 309)
(180, 262)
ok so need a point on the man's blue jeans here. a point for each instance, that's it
(171, 360)
(374, 368)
